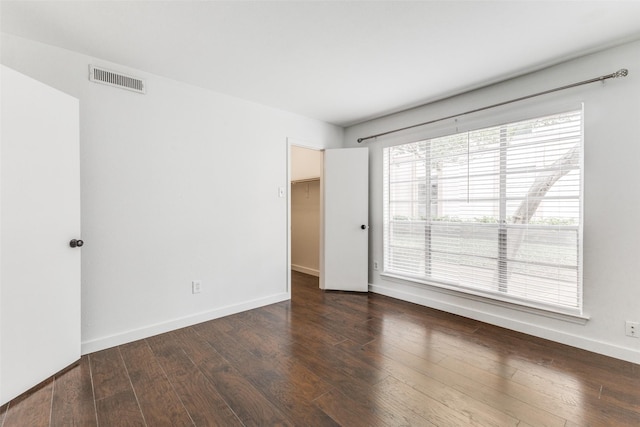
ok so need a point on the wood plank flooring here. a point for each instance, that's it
(333, 358)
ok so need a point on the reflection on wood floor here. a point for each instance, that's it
(333, 358)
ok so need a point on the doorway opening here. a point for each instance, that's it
(305, 209)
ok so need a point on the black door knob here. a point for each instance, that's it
(364, 227)
(76, 243)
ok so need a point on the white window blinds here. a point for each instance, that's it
(494, 211)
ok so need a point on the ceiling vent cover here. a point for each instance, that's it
(111, 78)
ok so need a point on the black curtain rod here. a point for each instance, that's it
(620, 73)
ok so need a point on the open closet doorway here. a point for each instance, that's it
(306, 209)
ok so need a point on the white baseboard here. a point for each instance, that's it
(305, 270)
(588, 344)
(171, 325)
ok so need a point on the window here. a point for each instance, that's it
(494, 212)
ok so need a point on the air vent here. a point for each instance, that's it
(111, 78)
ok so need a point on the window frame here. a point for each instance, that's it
(474, 293)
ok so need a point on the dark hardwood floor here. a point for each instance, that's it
(332, 358)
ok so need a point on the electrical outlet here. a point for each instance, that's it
(632, 329)
(375, 265)
(195, 286)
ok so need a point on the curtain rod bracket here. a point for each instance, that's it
(623, 72)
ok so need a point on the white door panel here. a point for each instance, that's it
(40, 214)
(346, 217)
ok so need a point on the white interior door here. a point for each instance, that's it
(346, 219)
(40, 214)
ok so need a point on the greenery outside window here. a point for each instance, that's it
(494, 211)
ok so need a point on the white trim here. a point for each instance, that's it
(515, 304)
(288, 214)
(618, 352)
(305, 270)
(171, 325)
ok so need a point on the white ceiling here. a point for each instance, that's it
(342, 62)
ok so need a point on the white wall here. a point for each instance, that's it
(178, 184)
(611, 196)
